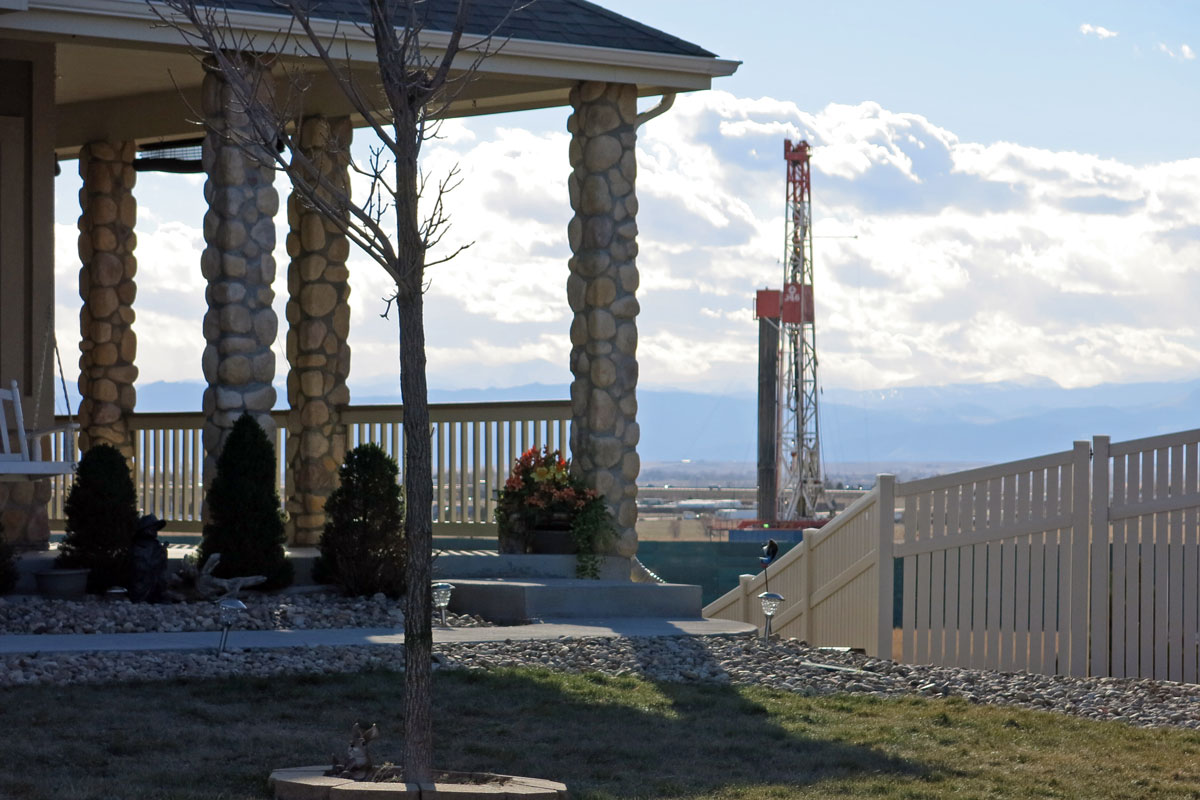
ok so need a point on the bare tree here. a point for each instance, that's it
(387, 225)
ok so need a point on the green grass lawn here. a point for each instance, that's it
(604, 737)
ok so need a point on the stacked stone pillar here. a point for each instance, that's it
(318, 313)
(23, 514)
(601, 291)
(239, 231)
(107, 287)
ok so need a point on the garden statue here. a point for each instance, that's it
(148, 557)
(357, 765)
(190, 584)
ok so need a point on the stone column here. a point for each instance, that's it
(239, 230)
(600, 290)
(107, 286)
(318, 313)
(23, 514)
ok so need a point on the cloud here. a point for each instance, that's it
(973, 261)
(1185, 53)
(1087, 29)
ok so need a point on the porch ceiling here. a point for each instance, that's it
(121, 76)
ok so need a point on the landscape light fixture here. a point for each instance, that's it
(441, 598)
(229, 610)
(770, 604)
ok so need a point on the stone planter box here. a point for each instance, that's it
(62, 582)
(311, 783)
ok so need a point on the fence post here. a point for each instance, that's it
(1078, 555)
(744, 582)
(810, 536)
(1101, 555)
(885, 505)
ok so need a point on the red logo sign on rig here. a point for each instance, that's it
(797, 304)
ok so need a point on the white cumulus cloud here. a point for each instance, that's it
(1184, 53)
(1100, 32)
(973, 261)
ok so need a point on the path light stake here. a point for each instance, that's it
(441, 598)
(230, 609)
(770, 604)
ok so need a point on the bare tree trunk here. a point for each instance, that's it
(418, 531)
(418, 466)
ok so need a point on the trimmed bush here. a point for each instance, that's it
(8, 565)
(245, 524)
(101, 510)
(362, 547)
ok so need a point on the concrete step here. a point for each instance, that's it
(491, 564)
(513, 601)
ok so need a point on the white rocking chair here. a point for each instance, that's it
(24, 461)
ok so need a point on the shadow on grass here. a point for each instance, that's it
(624, 738)
(604, 737)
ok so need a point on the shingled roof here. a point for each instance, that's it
(554, 21)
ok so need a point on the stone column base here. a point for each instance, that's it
(24, 515)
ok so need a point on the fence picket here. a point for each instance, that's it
(937, 580)
(994, 560)
(1080, 534)
(1008, 574)
(979, 584)
(1037, 575)
(1133, 571)
(1175, 572)
(1117, 643)
(1101, 570)
(1057, 487)
(923, 587)
(1020, 658)
(1161, 545)
(909, 600)
(1191, 570)
(953, 602)
(1146, 557)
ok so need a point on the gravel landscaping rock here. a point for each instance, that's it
(722, 660)
(311, 610)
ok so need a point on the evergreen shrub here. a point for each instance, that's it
(362, 547)
(101, 511)
(245, 523)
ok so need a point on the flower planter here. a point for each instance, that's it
(62, 582)
(545, 541)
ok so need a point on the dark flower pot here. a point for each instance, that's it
(62, 582)
(545, 541)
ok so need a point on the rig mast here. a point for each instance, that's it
(799, 457)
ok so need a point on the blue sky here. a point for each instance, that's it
(1022, 179)
(1014, 71)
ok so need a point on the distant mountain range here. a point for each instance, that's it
(979, 423)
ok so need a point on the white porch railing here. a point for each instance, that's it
(1082, 562)
(474, 445)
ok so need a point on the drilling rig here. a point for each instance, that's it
(789, 461)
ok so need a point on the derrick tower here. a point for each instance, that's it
(799, 435)
(789, 434)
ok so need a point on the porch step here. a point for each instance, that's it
(516, 600)
(492, 564)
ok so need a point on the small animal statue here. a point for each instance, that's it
(357, 764)
(188, 584)
(148, 562)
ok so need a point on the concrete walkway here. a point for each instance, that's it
(340, 637)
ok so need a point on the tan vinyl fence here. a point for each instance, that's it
(996, 566)
(836, 584)
(474, 445)
(1082, 562)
